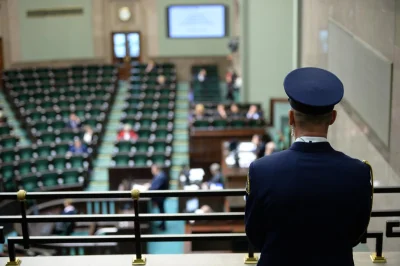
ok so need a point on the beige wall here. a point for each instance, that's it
(105, 21)
(374, 22)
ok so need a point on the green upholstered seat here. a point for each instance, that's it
(256, 123)
(42, 165)
(7, 155)
(35, 116)
(7, 171)
(24, 167)
(140, 160)
(10, 186)
(29, 183)
(50, 179)
(5, 130)
(8, 142)
(158, 159)
(68, 135)
(61, 148)
(121, 159)
(238, 123)
(220, 123)
(161, 133)
(145, 122)
(141, 146)
(162, 121)
(59, 162)
(201, 123)
(144, 133)
(124, 146)
(58, 124)
(43, 151)
(41, 126)
(159, 146)
(47, 137)
(25, 153)
(70, 177)
(77, 161)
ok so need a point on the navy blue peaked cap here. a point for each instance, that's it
(313, 90)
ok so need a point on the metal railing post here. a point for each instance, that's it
(139, 260)
(21, 195)
(250, 258)
(11, 254)
(377, 257)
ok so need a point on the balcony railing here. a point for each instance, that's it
(26, 240)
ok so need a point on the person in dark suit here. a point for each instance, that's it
(310, 199)
(66, 228)
(78, 147)
(159, 182)
(74, 122)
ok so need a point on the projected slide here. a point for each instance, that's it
(196, 21)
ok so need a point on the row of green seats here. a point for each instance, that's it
(34, 151)
(64, 102)
(57, 136)
(58, 114)
(49, 90)
(124, 159)
(8, 141)
(228, 123)
(47, 181)
(134, 99)
(47, 83)
(161, 120)
(132, 110)
(45, 70)
(24, 97)
(42, 165)
(158, 145)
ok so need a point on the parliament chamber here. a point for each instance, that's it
(128, 127)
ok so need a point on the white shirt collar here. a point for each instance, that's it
(311, 139)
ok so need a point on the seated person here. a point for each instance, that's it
(74, 122)
(198, 113)
(235, 112)
(161, 80)
(253, 112)
(202, 75)
(151, 67)
(216, 179)
(77, 147)
(66, 228)
(88, 135)
(221, 111)
(260, 146)
(127, 133)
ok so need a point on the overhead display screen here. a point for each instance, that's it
(196, 21)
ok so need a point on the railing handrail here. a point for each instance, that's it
(126, 194)
(137, 218)
(150, 194)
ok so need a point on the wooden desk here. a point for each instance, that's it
(219, 245)
(117, 174)
(205, 145)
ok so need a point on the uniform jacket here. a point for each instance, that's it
(308, 205)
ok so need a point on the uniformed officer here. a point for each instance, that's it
(310, 204)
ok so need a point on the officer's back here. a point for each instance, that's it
(310, 204)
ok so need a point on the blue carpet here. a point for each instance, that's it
(173, 227)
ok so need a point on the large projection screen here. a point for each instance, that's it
(196, 21)
(367, 78)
